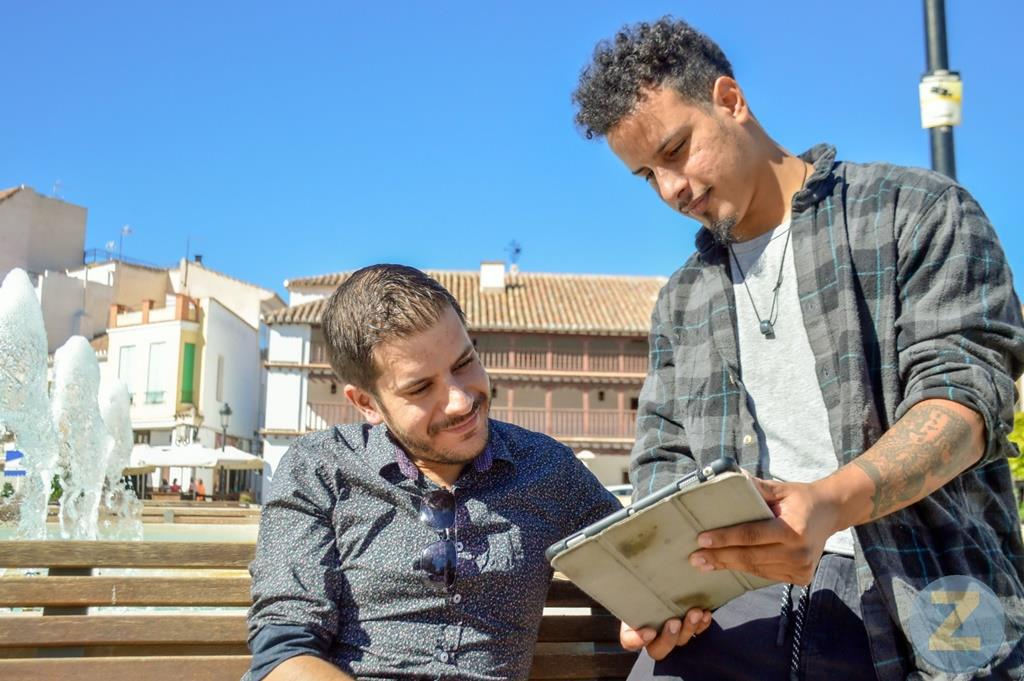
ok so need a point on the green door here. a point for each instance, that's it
(187, 372)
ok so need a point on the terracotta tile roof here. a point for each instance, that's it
(8, 193)
(531, 302)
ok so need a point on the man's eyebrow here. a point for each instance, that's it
(405, 387)
(661, 147)
(465, 353)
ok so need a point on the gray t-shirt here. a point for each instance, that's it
(779, 373)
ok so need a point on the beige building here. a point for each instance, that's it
(39, 233)
(566, 353)
(45, 237)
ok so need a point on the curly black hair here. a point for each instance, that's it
(667, 52)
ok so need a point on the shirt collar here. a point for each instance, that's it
(384, 451)
(823, 156)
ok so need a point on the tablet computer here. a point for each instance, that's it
(635, 562)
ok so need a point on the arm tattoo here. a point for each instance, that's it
(929, 442)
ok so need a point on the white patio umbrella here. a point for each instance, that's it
(194, 456)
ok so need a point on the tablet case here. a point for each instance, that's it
(639, 568)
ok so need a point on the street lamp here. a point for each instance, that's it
(225, 416)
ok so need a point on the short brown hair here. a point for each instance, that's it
(374, 305)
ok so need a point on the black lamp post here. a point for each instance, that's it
(225, 416)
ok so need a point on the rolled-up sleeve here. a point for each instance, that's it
(959, 328)
(296, 574)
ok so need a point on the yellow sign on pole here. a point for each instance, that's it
(941, 99)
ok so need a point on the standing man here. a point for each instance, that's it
(410, 546)
(850, 334)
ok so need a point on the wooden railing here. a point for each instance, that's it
(320, 415)
(571, 423)
(565, 423)
(539, 360)
(542, 360)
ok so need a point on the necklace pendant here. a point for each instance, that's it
(767, 329)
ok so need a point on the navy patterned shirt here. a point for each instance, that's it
(906, 295)
(333, 573)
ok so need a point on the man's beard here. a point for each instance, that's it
(425, 450)
(722, 230)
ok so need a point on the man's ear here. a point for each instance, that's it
(728, 96)
(365, 403)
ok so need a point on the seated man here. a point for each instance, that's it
(412, 545)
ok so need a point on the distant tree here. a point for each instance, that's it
(56, 491)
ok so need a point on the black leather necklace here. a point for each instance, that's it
(767, 324)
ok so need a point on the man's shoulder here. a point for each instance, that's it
(332, 446)
(919, 187)
(521, 442)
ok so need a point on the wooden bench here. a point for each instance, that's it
(135, 641)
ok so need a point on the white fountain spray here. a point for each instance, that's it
(84, 442)
(122, 511)
(24, 402)
(70, 436)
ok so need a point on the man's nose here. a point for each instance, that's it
(460, 401)
(673, 187)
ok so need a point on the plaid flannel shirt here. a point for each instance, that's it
(906, 295)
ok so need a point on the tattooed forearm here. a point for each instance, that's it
(930, 445)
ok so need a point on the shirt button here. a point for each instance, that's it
(747, 439)
(458, 546)
(457, 598)
(443, 656)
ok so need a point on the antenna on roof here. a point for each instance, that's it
(55, 192)
(184, 277)
(514, 250)
(125, 231)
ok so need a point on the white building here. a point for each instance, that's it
(566, 355)
(186, 342)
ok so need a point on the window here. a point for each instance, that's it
(155, 374)
(125, 361)
(220, 378)
(188, 366)
(142, 437)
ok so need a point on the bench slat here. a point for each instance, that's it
(565, 594)
(231, 667)
(596, 665)
(199, 668)
(27, 554)
(121, 630)
(164, 629)
(571, 628)
(125, 591)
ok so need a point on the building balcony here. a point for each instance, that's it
(539, 362)
(572, 425)
(183, 309)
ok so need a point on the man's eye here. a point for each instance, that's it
(648, 177)
(420, 390)
(676, 149)
(464, 363)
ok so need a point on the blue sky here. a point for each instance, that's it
(291, 140)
